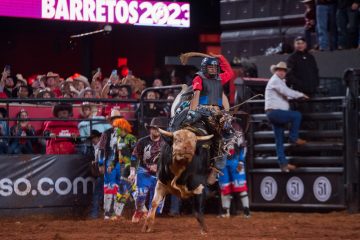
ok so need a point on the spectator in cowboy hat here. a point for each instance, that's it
(62, 134)
(80, 82)
(278, 112)
(87, 92)
(52, 83)
(45, 93)
(68, 90)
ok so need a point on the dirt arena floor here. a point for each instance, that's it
(262, 225)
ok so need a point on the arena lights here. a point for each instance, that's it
(147, 13)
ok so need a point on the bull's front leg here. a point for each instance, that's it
(160, 192)
(199, 201)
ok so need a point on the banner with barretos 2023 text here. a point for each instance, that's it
(44, 181)
(147, 13)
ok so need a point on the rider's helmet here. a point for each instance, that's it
(210, 61)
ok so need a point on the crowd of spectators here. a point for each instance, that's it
(336, 24)
(15, 136)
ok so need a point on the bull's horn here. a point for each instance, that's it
(204, 138)
(166, 133)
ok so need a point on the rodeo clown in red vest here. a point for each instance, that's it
(62, 134)
(208, 100)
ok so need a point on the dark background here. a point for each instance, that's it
(38, 46)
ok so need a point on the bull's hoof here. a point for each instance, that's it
(203, 232)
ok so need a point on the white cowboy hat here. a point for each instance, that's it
(81, 78)
(115, 113)
(280, 65)
(87, 89)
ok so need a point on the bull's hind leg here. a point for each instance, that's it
(199, 200)
(160, 192)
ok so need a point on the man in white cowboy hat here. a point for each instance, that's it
(87, 92)
(52, 83)
(80, 82)
(278, 112)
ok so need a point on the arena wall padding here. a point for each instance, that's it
(47, 182)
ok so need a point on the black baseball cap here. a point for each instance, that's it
(299, 38)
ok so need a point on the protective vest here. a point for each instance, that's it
(212, 90)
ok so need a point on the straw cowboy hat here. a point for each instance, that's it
(157, 122)
(307, 1)
(52, 75)
(81, 78)
(115, 113)
(280, 65)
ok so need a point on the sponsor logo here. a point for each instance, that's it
(322, 189)
(46, 186)
(295, 189)
(149, 13)
(268, 188)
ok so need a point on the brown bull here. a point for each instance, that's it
(182, 172)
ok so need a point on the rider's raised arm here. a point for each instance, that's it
(227, 70)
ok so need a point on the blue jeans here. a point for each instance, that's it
(326, 16)
(347, 22)
(278, 119)
(97, 197)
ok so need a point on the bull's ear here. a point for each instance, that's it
(166, 133)
(204, 138)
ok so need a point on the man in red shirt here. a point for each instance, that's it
(208, 100)
(62, 133)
